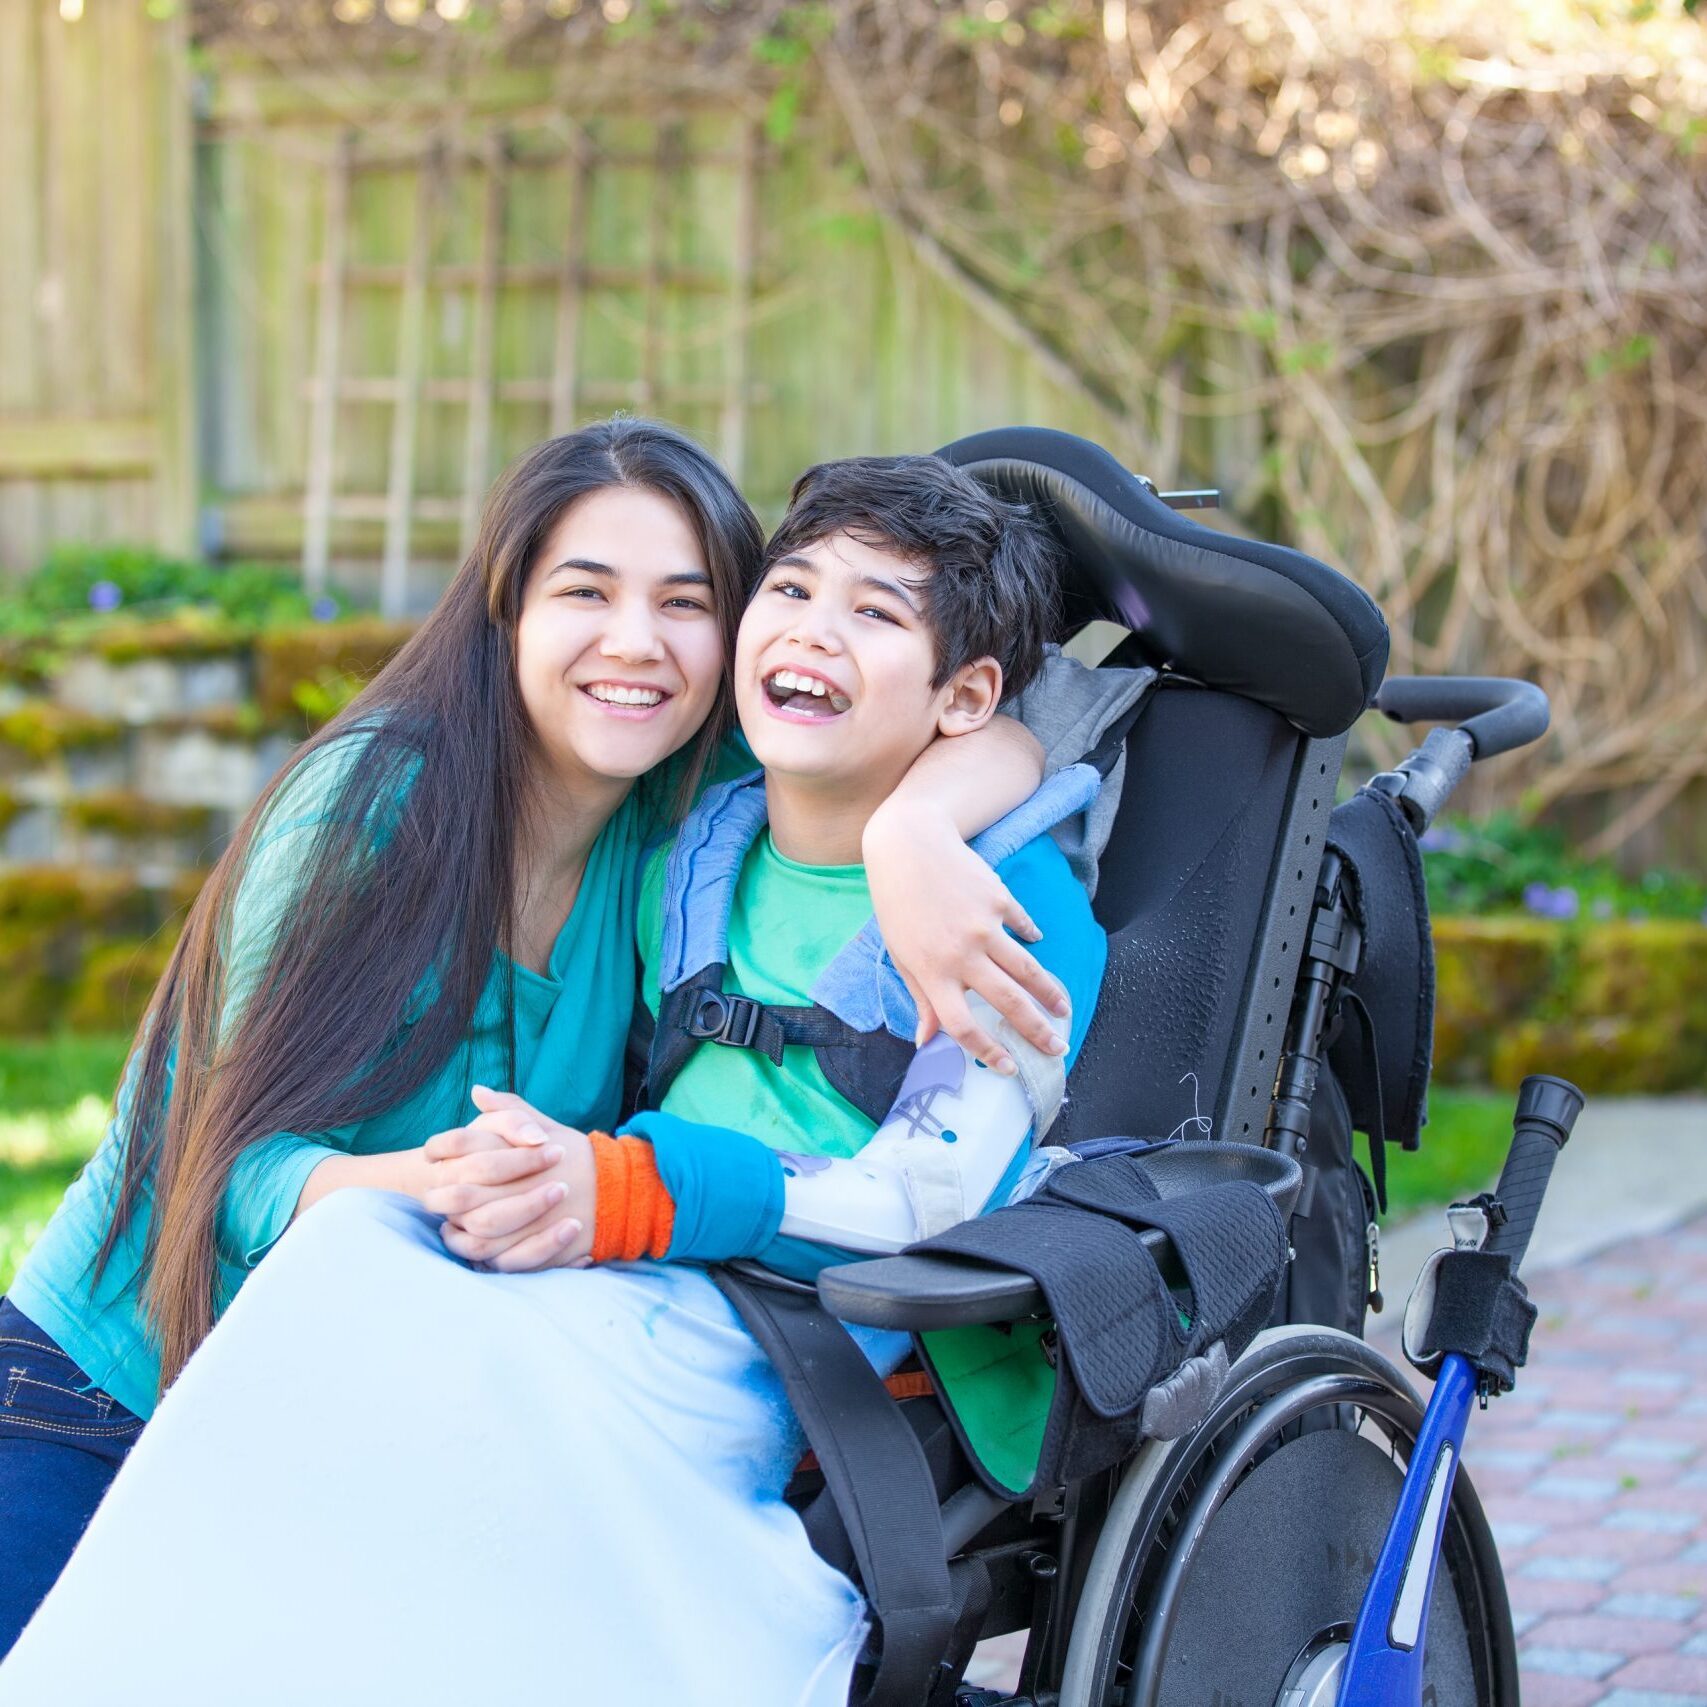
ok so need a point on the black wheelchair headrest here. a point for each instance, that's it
(1254, 619)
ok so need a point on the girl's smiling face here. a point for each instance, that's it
(618, 650)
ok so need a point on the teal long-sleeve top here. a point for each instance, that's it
(569, 1027)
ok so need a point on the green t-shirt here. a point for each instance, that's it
(788, 922)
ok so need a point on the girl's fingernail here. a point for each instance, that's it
(531, 1133)
(551, 1154)
(1057, 1046)
(568, 1232)
(1005, 1066)
(556, 1193)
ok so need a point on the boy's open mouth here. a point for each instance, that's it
(804, 694)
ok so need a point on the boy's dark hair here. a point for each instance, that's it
(995, 587)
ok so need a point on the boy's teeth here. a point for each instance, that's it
(788, 680)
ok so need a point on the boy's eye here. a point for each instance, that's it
(881, 614)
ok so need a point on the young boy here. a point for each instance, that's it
(789, 1117)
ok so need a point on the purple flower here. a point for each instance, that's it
(1438, 839)
(1551, 903)
(324, 608)
(105, 595)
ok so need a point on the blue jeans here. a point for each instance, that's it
(61, 1442)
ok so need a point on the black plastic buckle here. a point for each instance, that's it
(732, 1020)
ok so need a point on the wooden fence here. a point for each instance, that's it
(95, 209)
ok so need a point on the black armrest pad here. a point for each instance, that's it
(920, 1293)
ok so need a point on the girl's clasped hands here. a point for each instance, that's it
(516, 1188)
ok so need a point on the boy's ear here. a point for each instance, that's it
(971, 697)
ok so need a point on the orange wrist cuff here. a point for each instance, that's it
(635, 1215)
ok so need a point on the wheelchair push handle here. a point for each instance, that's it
(1487, 714)
(1497, 713)
(1547, 1109)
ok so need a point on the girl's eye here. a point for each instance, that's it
(881, 614)
(789, 589)
(580, 593)
(682, 602)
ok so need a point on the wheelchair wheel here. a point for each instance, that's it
(1233, 1558)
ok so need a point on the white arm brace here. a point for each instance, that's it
(942, 1149)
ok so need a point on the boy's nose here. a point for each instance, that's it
(816, 628)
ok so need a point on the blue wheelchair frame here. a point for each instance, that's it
(1383, 1665)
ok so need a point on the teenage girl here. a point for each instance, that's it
(438, 893)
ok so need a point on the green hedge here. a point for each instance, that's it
(1619, 1006)
(83, 948)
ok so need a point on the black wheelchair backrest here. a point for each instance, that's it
(1262, 621)
(1206, 884)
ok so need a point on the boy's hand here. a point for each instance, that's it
(942, 912)
(544, 1217)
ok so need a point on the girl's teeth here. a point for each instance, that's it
(626, 696)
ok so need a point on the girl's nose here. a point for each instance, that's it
(631, 631)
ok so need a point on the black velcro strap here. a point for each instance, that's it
(1116, 1321)
(878, 1474)
(1231, 1242)
(1112, 743)
(1484, 1312)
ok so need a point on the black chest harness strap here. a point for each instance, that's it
(866, 1067)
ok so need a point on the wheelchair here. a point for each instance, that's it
(1271, 950)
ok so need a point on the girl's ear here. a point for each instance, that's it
(971, 697)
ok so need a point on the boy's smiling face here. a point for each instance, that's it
(833, 670)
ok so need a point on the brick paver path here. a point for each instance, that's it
(1594, 1473)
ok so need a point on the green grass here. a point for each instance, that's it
(54, 1099)
(1462, 1148)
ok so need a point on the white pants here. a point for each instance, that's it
(390, 1479)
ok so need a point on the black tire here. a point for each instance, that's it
(1226, 1551)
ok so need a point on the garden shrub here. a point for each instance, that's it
(58, 930)
(287, 658)
(108, 902)
(41, 730)
(112, 990)
(1618, 1007)
(191, 634)
(134, 817)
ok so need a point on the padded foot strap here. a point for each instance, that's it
(1120, 1328)
(877, 1473)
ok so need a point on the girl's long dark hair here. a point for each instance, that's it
(408, 882)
